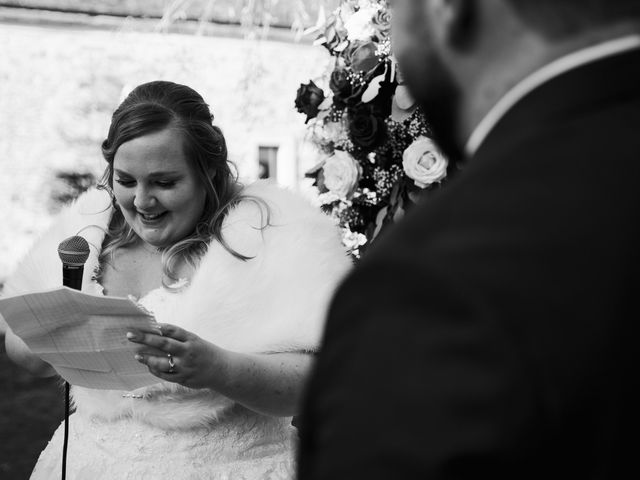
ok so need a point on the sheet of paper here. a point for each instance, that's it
(82, 336)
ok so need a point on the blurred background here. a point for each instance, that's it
(64, 67)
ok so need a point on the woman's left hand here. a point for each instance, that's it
(267, 383)
(179, 356)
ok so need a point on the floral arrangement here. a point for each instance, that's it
(378, 157)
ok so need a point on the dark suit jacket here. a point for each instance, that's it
(493, 333)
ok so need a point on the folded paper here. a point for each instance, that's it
(82, 336)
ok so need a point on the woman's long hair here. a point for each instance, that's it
(152, 107)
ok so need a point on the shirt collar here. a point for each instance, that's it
(543, 75)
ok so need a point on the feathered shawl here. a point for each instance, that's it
(275, 302)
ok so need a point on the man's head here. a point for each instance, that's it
(456, 56)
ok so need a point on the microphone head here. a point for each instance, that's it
(74, 251)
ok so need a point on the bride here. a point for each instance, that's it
(238, 277)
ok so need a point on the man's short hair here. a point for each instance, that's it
(560, 18)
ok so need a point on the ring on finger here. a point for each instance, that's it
(172, 363)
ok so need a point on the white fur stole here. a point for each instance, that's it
(275, 302)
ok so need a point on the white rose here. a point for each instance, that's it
(423, 163)
(333, 131)
(359, 25)
(353, 240)
(341, 174)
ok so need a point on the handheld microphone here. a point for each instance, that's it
(73, 252)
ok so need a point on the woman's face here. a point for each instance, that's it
(156, 189)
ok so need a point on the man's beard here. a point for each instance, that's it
(433, 86)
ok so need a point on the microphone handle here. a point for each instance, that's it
(72, 276)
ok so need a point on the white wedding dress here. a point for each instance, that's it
(240, 445)
(276, 302)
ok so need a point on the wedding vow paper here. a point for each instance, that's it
(82, 336)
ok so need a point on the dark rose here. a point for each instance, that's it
(382, 23)
(366, 129)
(345, 93)
(361, 56)
(334, 33)
(308, 99)
(339, 83)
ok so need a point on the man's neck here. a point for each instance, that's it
(522, 59)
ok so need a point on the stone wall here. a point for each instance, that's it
(60, 85)
(284, 12)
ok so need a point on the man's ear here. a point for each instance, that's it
(453, 21)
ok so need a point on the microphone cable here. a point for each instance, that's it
(65, 443)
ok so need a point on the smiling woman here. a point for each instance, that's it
(238, 277)
(168, 173)
(157, 190)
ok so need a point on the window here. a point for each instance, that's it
(267, 162)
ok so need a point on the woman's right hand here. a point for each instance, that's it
(19, 353)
